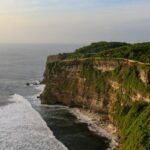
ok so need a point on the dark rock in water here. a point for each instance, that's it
(33, 83)
(28, 84)
(36, 82)
(42, 81)
(38, 96)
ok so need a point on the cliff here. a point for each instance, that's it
(117, 89)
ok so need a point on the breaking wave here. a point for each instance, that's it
(22, 128)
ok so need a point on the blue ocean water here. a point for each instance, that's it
(22, 63)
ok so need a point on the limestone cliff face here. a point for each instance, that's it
(117, 90)
(95, 84)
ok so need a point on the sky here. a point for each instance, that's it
(74, 21)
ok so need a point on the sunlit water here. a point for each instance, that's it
(24, 123)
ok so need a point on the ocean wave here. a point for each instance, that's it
(22, 128)
(40, 87)
(33, 98)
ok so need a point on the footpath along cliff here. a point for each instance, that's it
(110, 80)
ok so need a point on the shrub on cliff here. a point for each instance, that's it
(138, 51)
(134, 125)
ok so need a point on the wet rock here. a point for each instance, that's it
(33, 83)
(28, 84)
(39, 97)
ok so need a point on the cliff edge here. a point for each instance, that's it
(109, 79)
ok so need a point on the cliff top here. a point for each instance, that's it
(138, 52)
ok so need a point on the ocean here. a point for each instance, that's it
(25, 124)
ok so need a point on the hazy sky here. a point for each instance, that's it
(74, 21)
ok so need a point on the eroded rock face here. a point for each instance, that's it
(144, 76)
(94, 84)
(111, 89)
(105, 66)
(138, 97)
(115, 85)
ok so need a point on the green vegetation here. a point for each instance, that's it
(129, 77)
(99, 47)
(95, 77)
(134, 125)
(139, 51)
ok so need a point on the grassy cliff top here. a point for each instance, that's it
(138, 51)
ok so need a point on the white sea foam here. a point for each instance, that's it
(34, 98)
(93, 127)
(22, 128)
(40, 87)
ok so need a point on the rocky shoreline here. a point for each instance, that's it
(93, 120)
(107, 130)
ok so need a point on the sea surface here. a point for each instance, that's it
(25, 124)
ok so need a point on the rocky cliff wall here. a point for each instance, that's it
(95, 83)
(106, 87)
